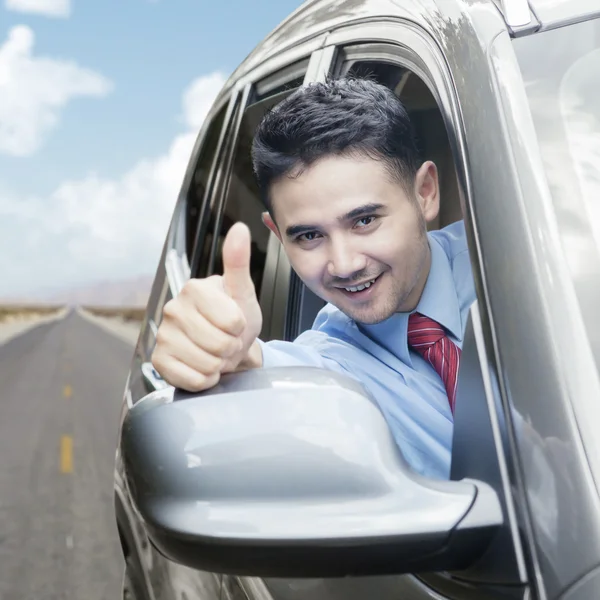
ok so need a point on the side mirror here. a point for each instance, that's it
(293, 472)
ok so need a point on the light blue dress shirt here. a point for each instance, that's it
(408, 390)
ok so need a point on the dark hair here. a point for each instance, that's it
(338, 117)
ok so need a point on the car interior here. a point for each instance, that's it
(429, 125)
(242, 197)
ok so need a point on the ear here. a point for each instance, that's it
(268, 221)
(427, 190)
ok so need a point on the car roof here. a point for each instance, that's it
(317, 17)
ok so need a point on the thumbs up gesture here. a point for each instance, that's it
(211, 327)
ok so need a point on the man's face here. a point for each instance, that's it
(355, 236)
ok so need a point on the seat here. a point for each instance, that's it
(434, 144)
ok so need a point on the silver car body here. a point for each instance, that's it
(516, 83)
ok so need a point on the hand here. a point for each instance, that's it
(211, 327)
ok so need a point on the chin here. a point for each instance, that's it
(371, 316)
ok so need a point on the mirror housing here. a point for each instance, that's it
(293, 472)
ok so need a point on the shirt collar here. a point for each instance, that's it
(439, 302)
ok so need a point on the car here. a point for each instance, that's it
(285, 484)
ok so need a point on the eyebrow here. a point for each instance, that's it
(355, 213)
(361, 211)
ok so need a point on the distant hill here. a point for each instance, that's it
(127, 292)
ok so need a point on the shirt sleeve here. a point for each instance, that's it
(297, 354)
(327, 345)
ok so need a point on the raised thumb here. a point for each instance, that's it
(236, 262)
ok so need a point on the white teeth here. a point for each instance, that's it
(361, 287)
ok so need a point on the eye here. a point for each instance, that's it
(365, 221)
(309, 236)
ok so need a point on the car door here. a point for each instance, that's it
(549, 91)
(408, 59)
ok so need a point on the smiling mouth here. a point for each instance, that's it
(360, 289)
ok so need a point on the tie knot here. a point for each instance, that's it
(423, 331)
(429, 339)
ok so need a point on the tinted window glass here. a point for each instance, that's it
(243, 201)
(200, 179)
(287, 79)
(200, 266)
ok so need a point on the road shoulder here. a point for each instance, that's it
(127, 331)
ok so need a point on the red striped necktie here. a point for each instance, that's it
(429, 339)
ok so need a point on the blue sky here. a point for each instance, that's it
(99, 104)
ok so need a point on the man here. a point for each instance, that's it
(349, 199)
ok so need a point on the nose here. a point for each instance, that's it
(344, 260)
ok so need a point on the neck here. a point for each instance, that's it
(412, 300)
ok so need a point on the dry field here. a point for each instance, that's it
(11, 313)
(125, 313)
(122, 321)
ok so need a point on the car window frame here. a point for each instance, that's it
(301, 303)
(220, 199)
(213, 199)
(175, 260)
(173, 267)
(379, 36)
(214, 168)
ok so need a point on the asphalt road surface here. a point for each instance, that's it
(60, 396)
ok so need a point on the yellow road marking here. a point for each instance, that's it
(67, 391)
(66, 454)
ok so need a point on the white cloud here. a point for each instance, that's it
(199, 96)
(96, 228)
(33, 91)
(49, 8)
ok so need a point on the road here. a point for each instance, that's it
(61, 390)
